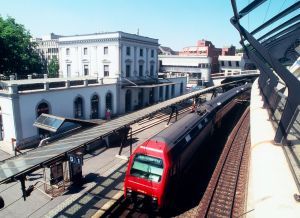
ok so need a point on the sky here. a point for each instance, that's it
(176, 23)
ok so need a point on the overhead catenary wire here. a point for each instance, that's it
(282, 5)
(266, 14)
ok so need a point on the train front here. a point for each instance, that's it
(146, 174)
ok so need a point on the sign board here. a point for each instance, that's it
(76, 158)
(56, 173)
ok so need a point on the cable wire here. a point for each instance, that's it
(267, 11)
(282, 6)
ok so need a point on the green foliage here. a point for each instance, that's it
(17, 52)
(53, 68)
(239, 50)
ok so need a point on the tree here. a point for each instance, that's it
(53, 68)
(17, 53)
(239, 50)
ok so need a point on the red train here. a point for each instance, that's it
(156, 165)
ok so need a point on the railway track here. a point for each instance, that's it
(224, 196)
(159, 118)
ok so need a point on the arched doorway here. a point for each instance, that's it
(1, 126)
(95, 107)
(78, 108)
(173, 91)
(42, 108)
(181, 88)
(128, 101)
(108, 101)
(161, 93)
(141, 98)
(167, 93)
(151, 96)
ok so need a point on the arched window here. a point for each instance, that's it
(128, 101)
(42, 108)
(95, 107)
(181, 88)
(108, 101)
(78, 108)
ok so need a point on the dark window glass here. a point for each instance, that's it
(86, 70)
(141, 52)
(78, 108)
(127, 70)
(141, 70)
(152, 53)
(105, 50)
(108, 101)
(95, 107)
(173, 91)
(147, 167)
(151, 70)
(106, 70)
(127, 50)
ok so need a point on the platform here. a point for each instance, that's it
(103, 182)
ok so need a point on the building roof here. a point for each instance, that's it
(105, 36)
(167, 50)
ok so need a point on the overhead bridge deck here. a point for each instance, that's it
(14, 168)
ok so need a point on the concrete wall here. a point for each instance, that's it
(95, 59)
(9, 125)
(61, 103)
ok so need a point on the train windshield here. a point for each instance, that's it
(147, 167)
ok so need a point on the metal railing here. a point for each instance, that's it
(271, 53)
(272, 71)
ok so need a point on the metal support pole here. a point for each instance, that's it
(130, 141)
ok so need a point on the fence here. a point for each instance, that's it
(271, 53)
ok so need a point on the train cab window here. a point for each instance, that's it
(147, 167)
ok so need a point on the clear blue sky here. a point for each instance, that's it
(176, 23)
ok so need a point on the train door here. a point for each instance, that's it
(173, 185)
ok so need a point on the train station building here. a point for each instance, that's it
(98, 72)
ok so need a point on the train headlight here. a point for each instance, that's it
(129, 193)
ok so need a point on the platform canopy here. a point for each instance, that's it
(149, 86)
(53, 123)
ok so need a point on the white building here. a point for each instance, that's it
(196, 68)
(48, 46)
(231, 65)
(22, 101)
(113, 55)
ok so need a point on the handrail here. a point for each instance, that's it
(272, 70)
